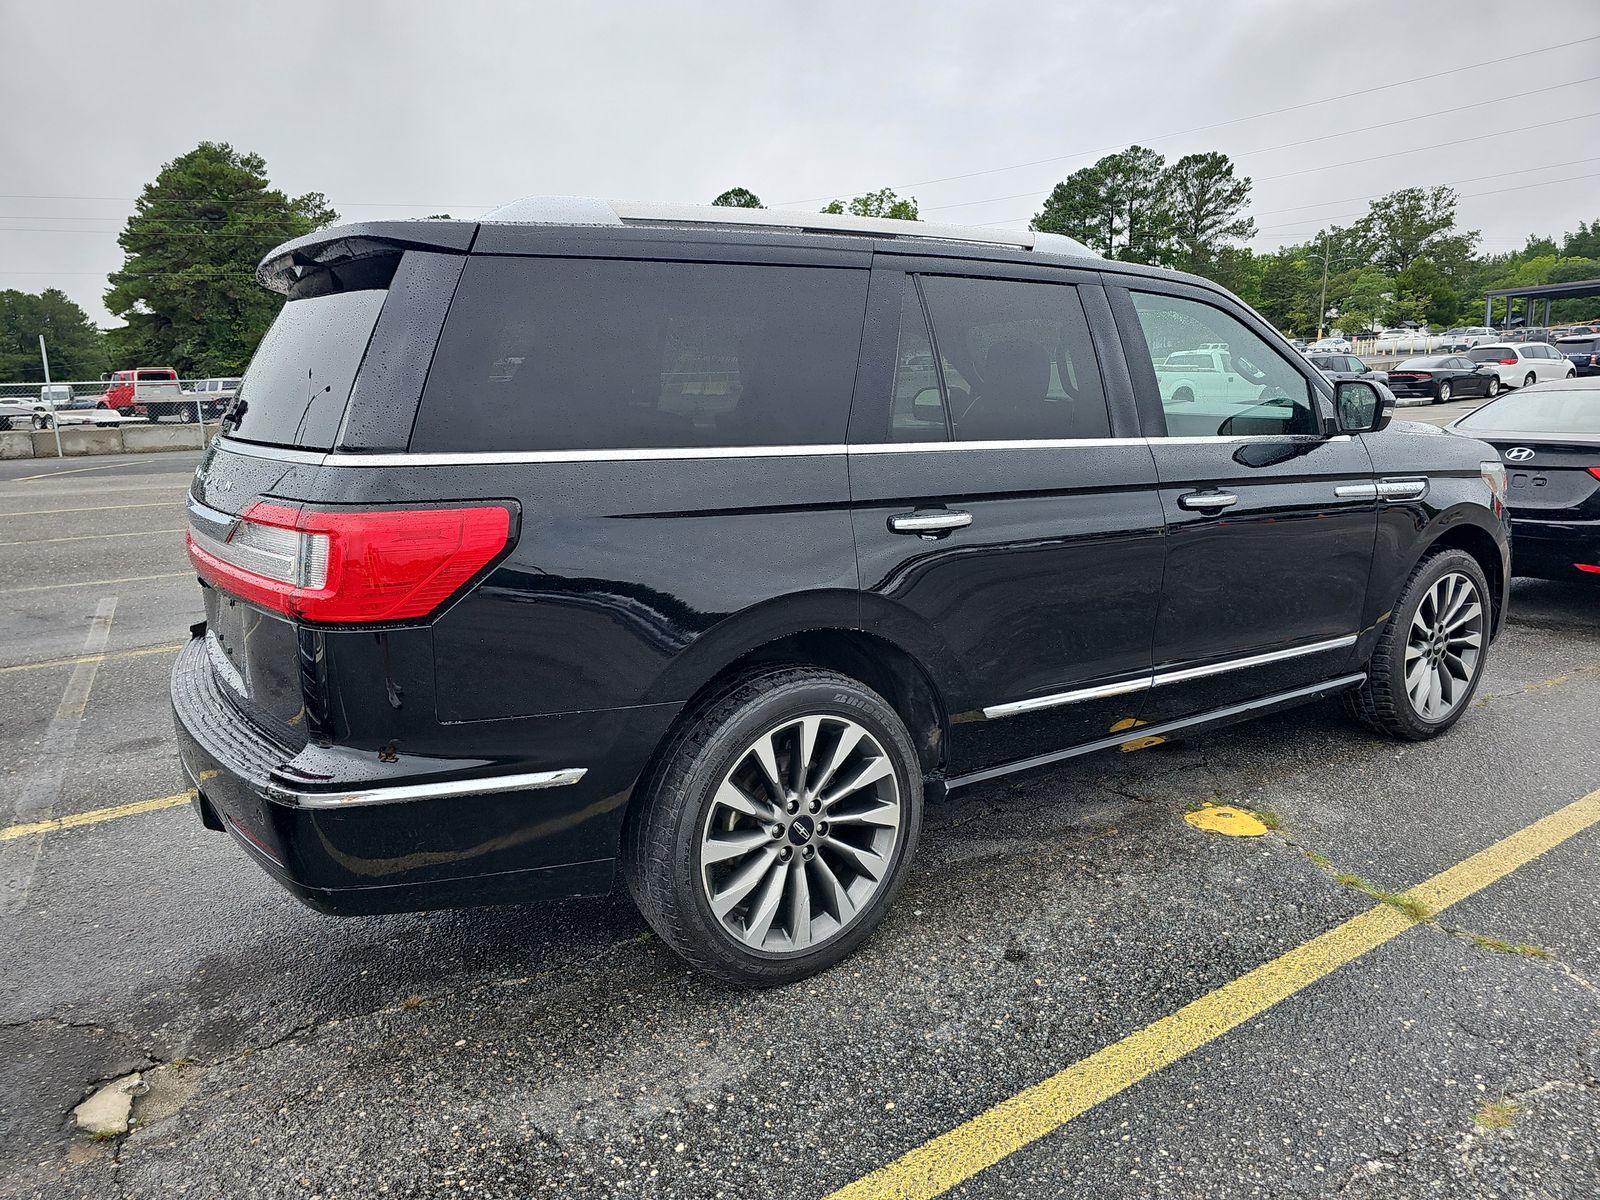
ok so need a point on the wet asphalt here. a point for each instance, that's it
(561, 1050)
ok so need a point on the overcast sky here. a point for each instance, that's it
(404, 109)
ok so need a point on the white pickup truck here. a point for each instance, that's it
(1206, 391)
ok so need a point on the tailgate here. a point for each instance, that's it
(257, 656)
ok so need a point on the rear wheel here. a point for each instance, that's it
(1572, 372)
(1430, 652)
(1492, 388)
(42, 421)
(778, 826)
(1444, 392)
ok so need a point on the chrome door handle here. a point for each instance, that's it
(1207, 501)
(930, 521)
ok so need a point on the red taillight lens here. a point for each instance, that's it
(1509, 362)
(346, 567)
(1589, 567)
(1595, 471)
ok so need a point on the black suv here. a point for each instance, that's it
(705, 545)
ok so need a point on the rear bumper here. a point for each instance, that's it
(421, 833)
(1552, 548)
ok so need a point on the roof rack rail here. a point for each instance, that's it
(582, 210)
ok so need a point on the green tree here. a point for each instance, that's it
(1406, 225)
(1289, 290)
(1361, 296)
(883, 203)
(187, 286)
(1205, 205)
(738, 198)
(1583, 242)
(1116, 206)
(77, 349)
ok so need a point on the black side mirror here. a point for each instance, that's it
(1364, 406)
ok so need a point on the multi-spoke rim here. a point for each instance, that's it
(800, 834)
(1443, 645)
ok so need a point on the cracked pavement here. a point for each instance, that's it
(561, 1050)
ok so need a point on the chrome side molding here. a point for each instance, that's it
(403, 792)
(1158, 679)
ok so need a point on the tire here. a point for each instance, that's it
(1443, 394)
(1183, 396)
(1529, 379)
(1410, 637)
(1492, 388)
(102, 404)
(680, 814)
(1572, 373)
(42, 421)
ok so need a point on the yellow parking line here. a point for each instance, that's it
(50, 587)
(90, 537)
(73, 660)
(954, 1157)
(96, 816)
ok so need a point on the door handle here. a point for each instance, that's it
(929, 522)
(1207, 501)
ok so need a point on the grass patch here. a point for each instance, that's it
(1320, 860)
(1198, 805)
(1526, 949)
(412, 1001)
(1266, 816)
(1400, 901)
(1495, 1114)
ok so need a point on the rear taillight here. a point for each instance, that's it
(351, 567)
(1592, 568)
(1595, 471)
(1509, 362)
(1594, 360)
(1494, 474)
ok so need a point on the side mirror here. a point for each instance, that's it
(1364, 407)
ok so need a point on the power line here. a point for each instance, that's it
(1233, 121)
(1443, 112)
(1379, 157)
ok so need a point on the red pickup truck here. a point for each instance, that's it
(151, 392)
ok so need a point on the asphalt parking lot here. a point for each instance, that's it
(1069, 913)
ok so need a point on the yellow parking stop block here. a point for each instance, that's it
(1226, 819)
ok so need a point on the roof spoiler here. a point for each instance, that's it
(344, 257)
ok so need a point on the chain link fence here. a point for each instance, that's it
(109, 402)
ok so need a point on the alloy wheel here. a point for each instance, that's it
(1443, 646)
(1444, 393)
(801, 834)
(1493, 389)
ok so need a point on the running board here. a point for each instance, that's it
(1314, 692)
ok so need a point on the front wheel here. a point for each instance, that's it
(1444, 393)
(1529, 379)
(42, 421)
(1430, 652)
(777, 826)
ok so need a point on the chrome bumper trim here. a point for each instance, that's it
(401, 793)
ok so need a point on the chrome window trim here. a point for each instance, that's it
(401, 793)
(1157, 679)
(1007, 444)
(276, 453)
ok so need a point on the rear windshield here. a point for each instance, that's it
(1578, 345)
(1481, 354)
(295, 390)
(1556, 410)
(592, 354)
(157, 376)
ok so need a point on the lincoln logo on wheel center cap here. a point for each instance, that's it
(800, 832)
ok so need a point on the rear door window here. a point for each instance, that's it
(295, 390)
(595, 354)
(1016, 359)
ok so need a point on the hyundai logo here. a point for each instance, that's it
(1519, 454)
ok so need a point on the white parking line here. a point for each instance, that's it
(90, 537)
(56, 512)
(41, 790)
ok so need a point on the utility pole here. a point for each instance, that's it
(49, 398)
(1322, 306)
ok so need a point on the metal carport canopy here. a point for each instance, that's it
(1545, 291)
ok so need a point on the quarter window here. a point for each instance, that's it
(586, 354)
(1216, 377)
(919, 413)
(1016, 361)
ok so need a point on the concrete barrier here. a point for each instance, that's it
(82, 440)
(143, 438)
(111, 439)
